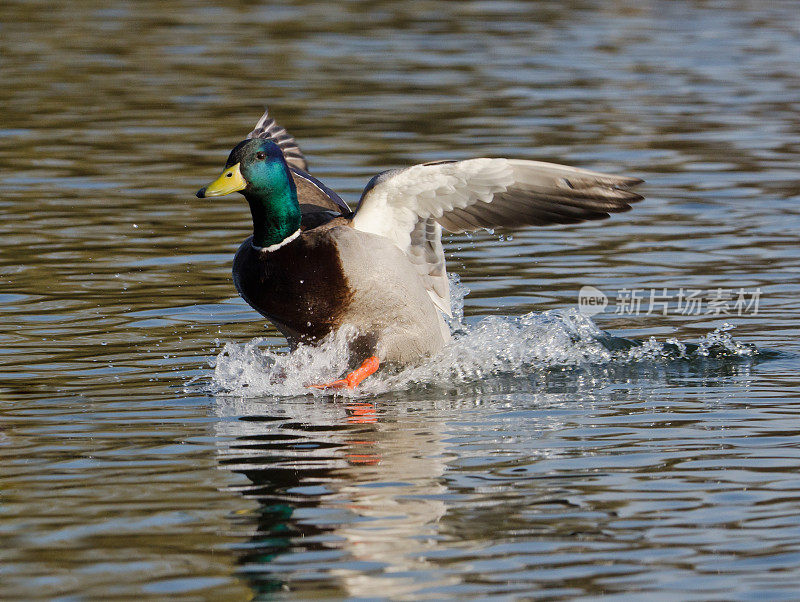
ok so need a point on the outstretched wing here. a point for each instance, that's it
(482, 193)
(267, 128)
(427, 256)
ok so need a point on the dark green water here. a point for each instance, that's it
(526, 461)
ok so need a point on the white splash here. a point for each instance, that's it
(494, 346)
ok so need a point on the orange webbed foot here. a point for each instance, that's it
(352, 380)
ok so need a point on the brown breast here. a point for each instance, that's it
(301, 287)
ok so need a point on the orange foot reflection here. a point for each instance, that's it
(361, 413)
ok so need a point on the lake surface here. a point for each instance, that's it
(144, 452)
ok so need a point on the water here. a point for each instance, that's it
(546, 454)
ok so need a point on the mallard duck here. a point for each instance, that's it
(312, 266)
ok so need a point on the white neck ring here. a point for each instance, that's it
(278, 245)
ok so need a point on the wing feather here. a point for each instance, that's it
(427, 256)
(411, 206)
(267, 128)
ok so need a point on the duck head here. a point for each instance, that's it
(257, 169)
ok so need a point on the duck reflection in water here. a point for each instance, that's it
(346, 487)
(358, 498)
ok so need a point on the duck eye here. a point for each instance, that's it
(261, 155)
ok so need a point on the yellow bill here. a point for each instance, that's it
(230, 181)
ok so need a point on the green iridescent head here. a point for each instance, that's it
(257, 169)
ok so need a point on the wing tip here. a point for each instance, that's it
(269, 129)
(630, 197)
(630, 181)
